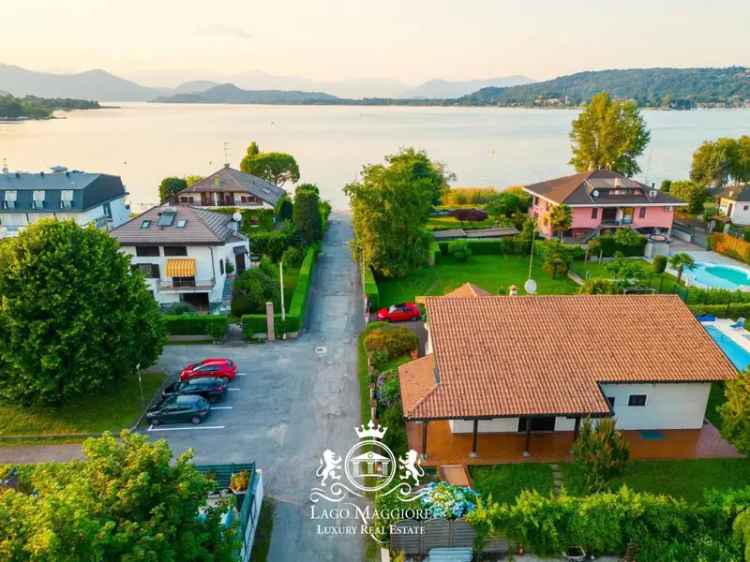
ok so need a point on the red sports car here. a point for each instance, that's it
(212, 367)
(399, 312)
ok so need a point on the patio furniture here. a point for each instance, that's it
(739, 324)
(706, 318)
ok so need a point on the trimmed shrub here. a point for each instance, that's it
(394, 340)
(371, 289)
(252, 290)
(730, 246)
(660, 264)
(629, 245)
(272, 243)
(460, 250)
(730, 310)
(697, 295)
(196, 325)
(293, 257)
(469, 215)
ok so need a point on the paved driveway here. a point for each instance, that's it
(290, 404)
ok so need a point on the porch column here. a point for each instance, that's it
(528, 437)
(576, 429)
(475, 430)
(424, 438)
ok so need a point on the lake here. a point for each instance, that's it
(145, 142)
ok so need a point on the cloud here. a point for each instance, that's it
(223, 30)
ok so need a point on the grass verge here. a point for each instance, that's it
(109, 409)
(505, 481)
(262, 541)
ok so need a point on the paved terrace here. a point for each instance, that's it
(445, 447)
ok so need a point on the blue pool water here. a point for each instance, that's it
(736, 354)
(719, 276)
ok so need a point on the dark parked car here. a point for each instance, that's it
(210, 388)
(179, 408)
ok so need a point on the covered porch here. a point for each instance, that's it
(446, 448)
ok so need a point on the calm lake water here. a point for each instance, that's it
(145, 142)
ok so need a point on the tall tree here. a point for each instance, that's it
(390, 205)
(74, 317)
(421, 168)
(692, 192)
(170, 187)
(306, 213)
(276, 167)
(717, 162)
(735, 413)
(609, 134)
(680, 261)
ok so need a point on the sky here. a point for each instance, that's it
(164, 42)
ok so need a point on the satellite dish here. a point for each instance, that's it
(530, 286)
(595, 193)
(237, 216)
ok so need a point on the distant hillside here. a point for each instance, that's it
(31, 107)
(194, 86)
(653, 87)
(229, 93)
(442, 89)
(92, 84)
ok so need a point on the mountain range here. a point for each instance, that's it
(104, 86)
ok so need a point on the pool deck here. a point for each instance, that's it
(740, 336)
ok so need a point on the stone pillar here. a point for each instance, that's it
(269, 322)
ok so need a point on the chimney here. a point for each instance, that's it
(652, 193)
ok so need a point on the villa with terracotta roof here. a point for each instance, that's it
(602, 200)
(539, 364)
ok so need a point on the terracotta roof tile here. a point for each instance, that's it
(510, 356)
(417, 380)
(468, 290)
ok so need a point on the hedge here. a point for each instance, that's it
(610, 247)
(730, 246)
(371, 289)
(256, 323)
(514, 246)
(196, 325)
(730, 310)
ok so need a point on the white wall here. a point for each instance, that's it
(668, 406)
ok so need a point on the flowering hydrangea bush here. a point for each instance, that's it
(445, 501)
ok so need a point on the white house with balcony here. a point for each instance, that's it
(188, 255)
(87, 198)
(231, 188)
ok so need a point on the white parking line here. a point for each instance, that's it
(152, 428)
(234, 389)
(221, 407)
(241, 374)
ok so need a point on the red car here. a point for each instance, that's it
(212, 367)
(399, 313)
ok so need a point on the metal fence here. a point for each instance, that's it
(417, 538)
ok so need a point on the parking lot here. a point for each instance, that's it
(290, 402)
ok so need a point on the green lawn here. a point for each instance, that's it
(110, 409)
(505, 481)
(588, 270)
(687, 479)
(493, 273)
(262, 541)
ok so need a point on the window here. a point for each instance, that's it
(147, 251)
(184, 199)
(642, 213)
(536, 200)
(38, 202)
(66, 198)
(183, 281)
(146, 223)
(107, 208)
(10, 200)
(637, 400)
(745, 207)
(181, 223)
(594, 213)
(149, 270)
(166, 218)
(175, 250)
(221, 266)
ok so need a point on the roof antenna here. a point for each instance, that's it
(226, 154)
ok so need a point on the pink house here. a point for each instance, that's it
(602, 200)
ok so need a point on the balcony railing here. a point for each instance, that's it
(177, 285)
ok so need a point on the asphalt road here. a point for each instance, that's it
(293, 400)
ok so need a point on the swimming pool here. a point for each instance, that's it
(732, 349)
(719, 276)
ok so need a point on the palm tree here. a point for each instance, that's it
(561, 217)
(680, 261)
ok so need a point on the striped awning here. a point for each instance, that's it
(181, 268)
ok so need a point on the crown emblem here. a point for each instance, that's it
(371, 431)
